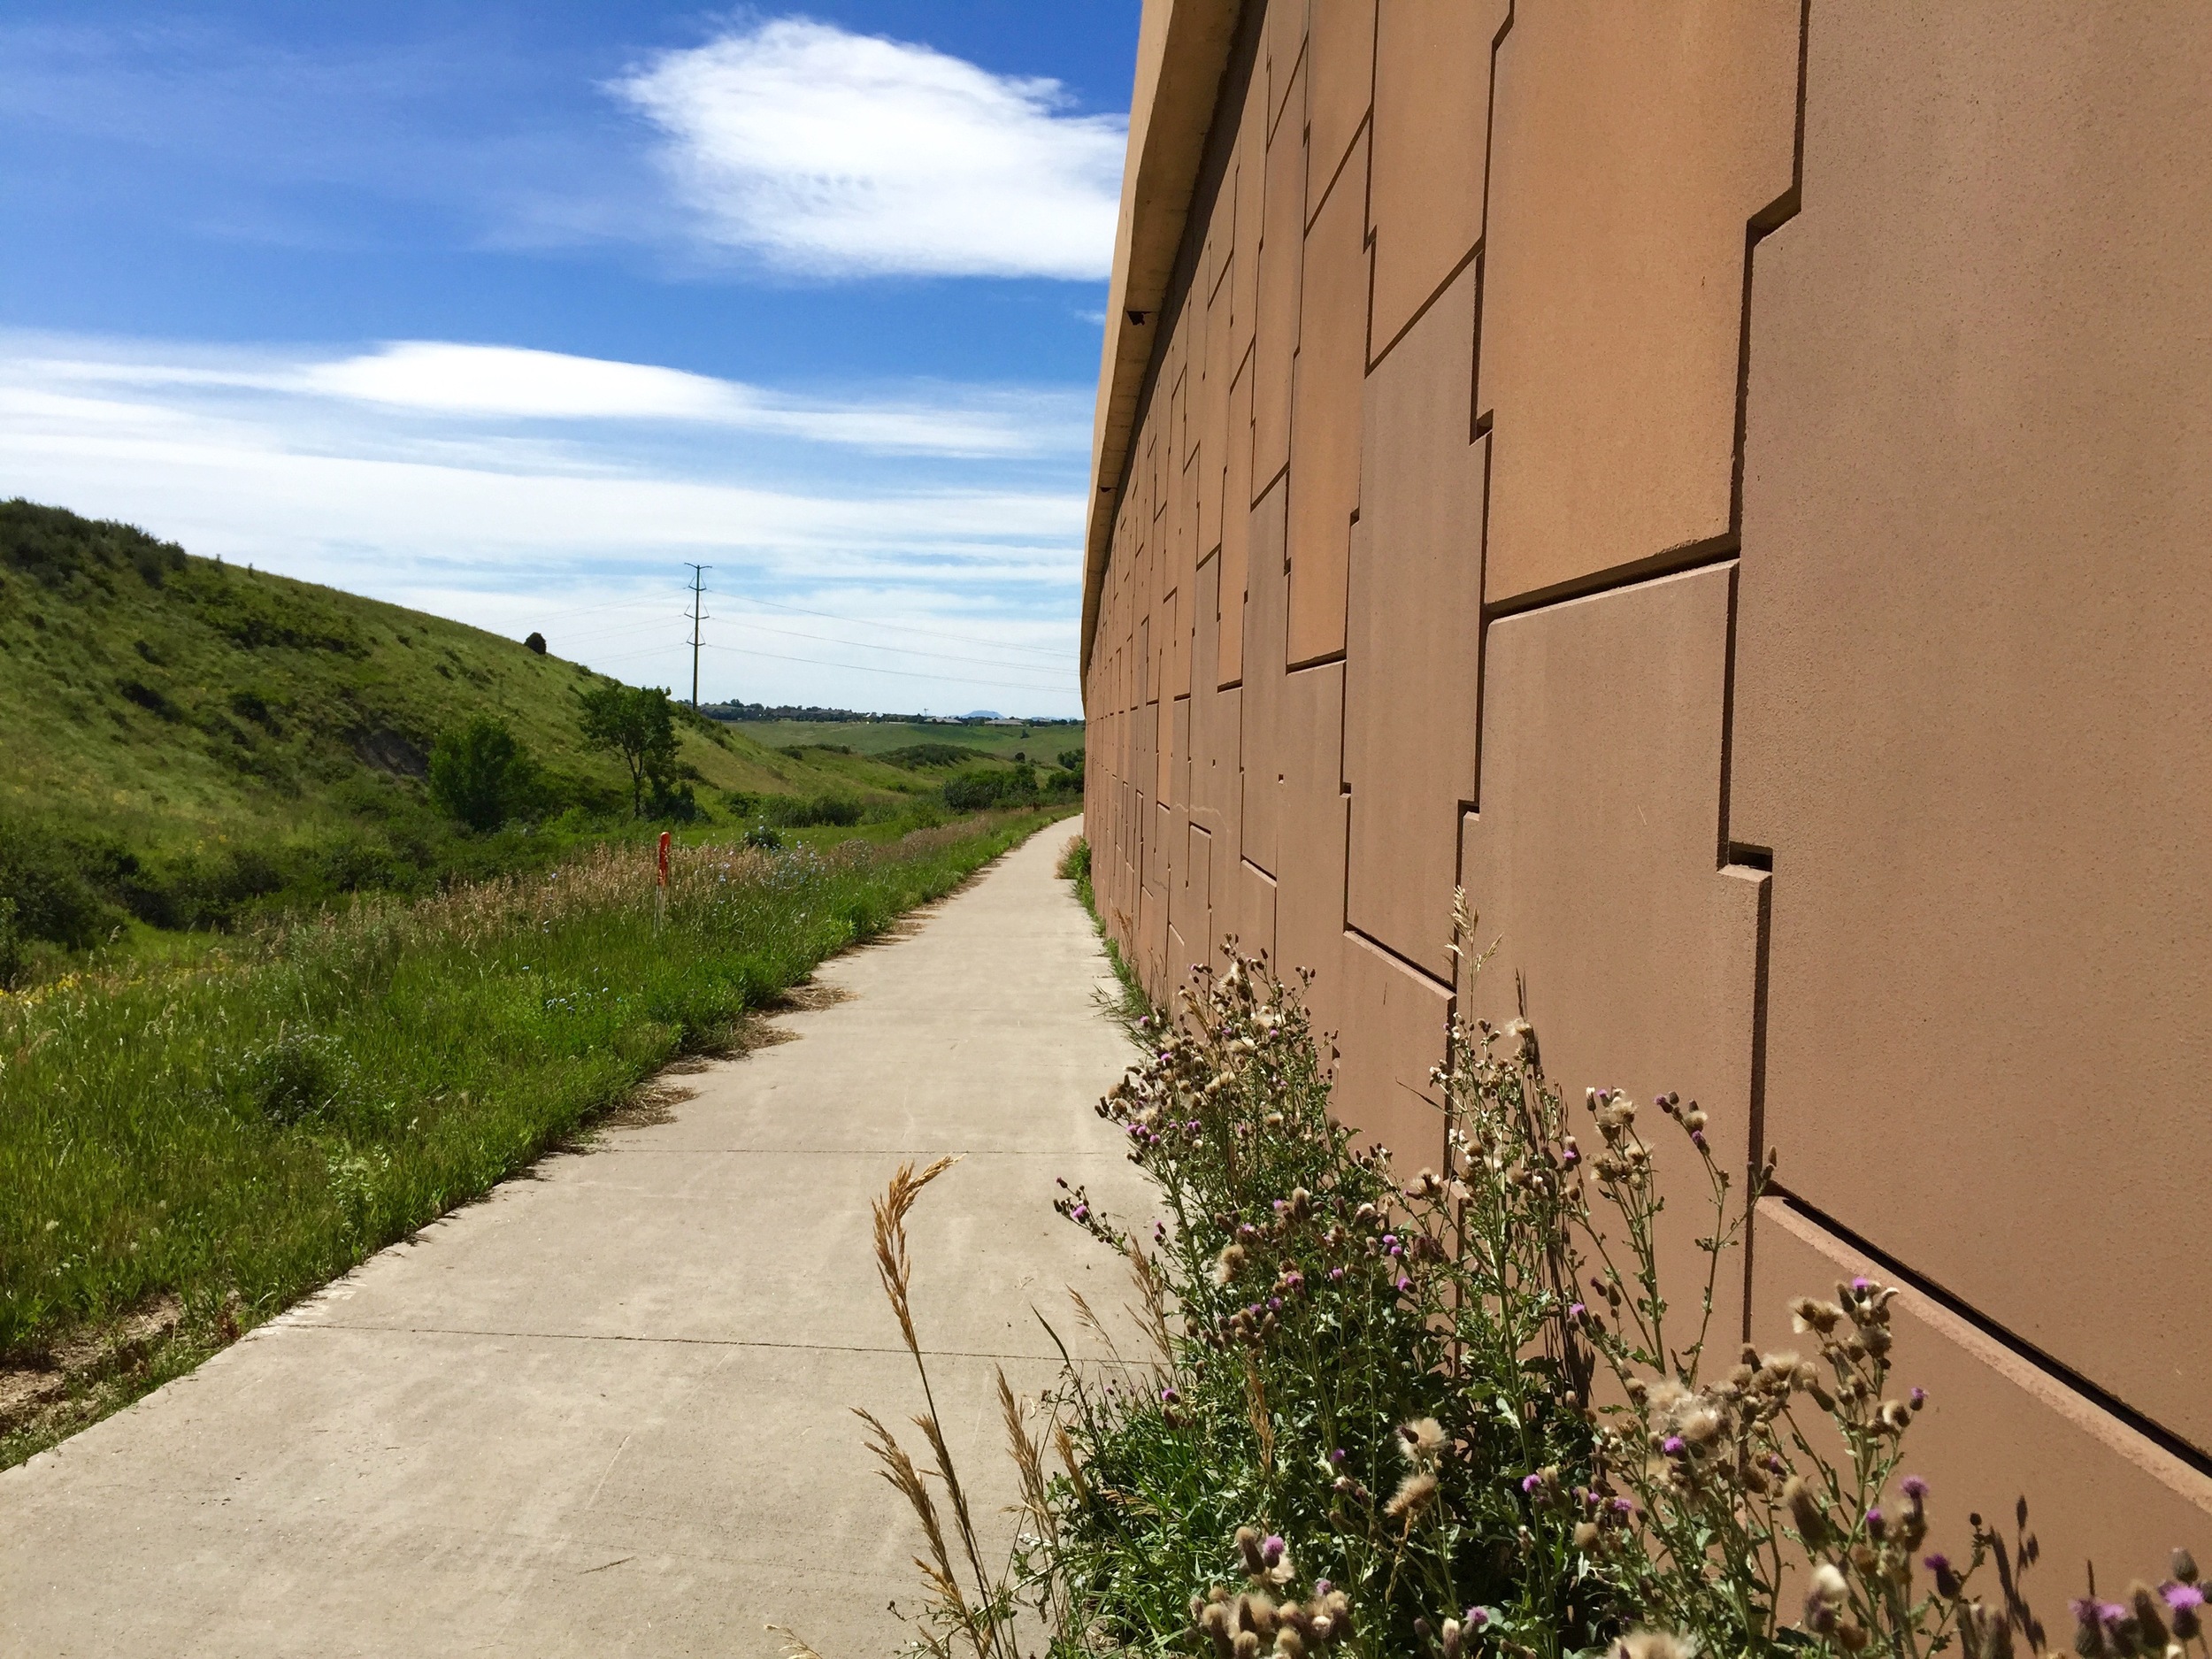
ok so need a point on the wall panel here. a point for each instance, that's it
(1324, 437)
(1630, 147)
(1411, 689)
(1431, 134)
(1974, 695)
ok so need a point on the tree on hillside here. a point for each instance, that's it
(638, 723)
(480, 774)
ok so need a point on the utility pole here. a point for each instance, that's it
(698, 589)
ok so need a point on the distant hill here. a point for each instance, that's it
(185, 735)
(1041, 742)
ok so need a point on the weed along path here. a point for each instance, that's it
(606, 1411)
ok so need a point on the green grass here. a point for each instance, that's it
(234, 1129)
(1040, 740)
(197, 739)
(1134, 1002)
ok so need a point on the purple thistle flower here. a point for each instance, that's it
(1914, 1488)
(1272, 1549)
(1531, 1483)
(1936, 1562)
(1862, 1282)
(1336, 1276)
(1624, 1506)
(1674, 1445)
(1919, 1397)
(1168, 1396)
(1322, 1586)
(1081, 1212)
(1405, 1286)
(1577, 1311)
(1478, 1617)
(1337, 1456)
(1274, 1304)
(2181, 1597)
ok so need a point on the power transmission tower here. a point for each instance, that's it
(698, 589)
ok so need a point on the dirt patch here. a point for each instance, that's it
(806, 997)
(30, 1383)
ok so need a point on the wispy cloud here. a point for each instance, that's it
(443, 379)
(392, 471)
(833, 153)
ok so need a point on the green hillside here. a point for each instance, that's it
(1041, 742)
(180, 738)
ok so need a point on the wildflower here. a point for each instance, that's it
(1947, 1579)
(1413, 1495)
(1228, 1263)
(2150, 1626)
(1422, 1441)
(1648, 1644)
(1806, 1314)
(1805, 1511)
(1824, 1598)
(2185, 1600)
(1913, 1485)
(1674, 1445)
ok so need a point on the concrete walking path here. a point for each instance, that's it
(606, 1411)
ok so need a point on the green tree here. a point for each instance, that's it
(479, 774)
(638, 723)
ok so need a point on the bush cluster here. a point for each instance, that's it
(1020, 785)
(1456, 1411)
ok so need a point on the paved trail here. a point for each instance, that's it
(605, 1411)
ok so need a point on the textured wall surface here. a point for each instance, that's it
(1726, 484)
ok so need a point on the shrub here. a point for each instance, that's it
(50, 880)
(480, 775)
(978, 791)
(296, 1078)
(1459, 1411)
(535, 643)
(795, 812)
(10, 945)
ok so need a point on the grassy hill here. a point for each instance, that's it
(181, 739)
(1041, 742)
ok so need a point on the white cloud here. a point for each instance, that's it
(832, 153)
(384, 473)
(448, 379)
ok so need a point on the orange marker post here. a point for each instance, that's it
(660, 882)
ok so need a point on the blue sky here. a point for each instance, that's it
(507, 312)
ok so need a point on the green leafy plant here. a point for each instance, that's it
(480, 775)
(1459, 1413)
(637, 725)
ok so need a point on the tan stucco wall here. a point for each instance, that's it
(1727, 483)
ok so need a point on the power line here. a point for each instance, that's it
(903, 673)
(1051, 651)
(902, 650)
(907, 628)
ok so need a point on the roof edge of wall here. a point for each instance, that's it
(1182, 48)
